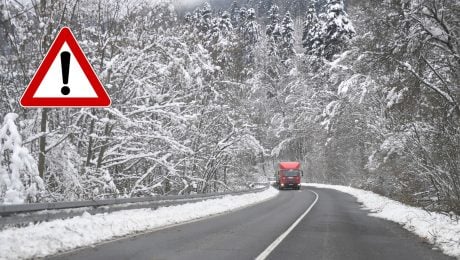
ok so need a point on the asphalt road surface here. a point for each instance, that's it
(334, 228)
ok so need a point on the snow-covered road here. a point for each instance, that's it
(336, 227)
(330, 225)
(61, 235)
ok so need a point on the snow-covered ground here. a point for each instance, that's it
(440, 230)
(61, 235)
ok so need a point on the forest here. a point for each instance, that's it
(208, 98)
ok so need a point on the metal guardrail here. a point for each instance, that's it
(23, 214)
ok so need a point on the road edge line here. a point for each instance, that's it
(280, 239)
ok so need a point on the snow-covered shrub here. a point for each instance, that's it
(99, 184)
(19, 180)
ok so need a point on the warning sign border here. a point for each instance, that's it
(65, 35)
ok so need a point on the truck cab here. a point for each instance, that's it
(288, 175)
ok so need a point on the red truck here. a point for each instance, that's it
(288, 175)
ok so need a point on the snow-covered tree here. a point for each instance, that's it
(338, 29)
(273, 30)
(287, 34)
(250, 34)
(205, 18)
(242, 16)
(312, 38)
(19, 180)
(251, 27)
(234, 14)
(200, 103)
(263, 7)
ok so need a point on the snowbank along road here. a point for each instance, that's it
(312, 223)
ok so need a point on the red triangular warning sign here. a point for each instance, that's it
(65, 78)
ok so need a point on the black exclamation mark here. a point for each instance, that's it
(65, 63)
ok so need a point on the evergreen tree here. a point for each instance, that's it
(242, 16)
(234, 13)
(218, 39)
(188, 19)
(249, 33)
(287, 33)
(251, 27)
(225, 24)
(273, 30)
(205, 17)
(312, 34)
(338, 29)
(264, 6)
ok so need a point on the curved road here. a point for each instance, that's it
(334, 228)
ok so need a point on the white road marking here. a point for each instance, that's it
(277, 241)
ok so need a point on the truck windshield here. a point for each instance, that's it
(291, 173)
